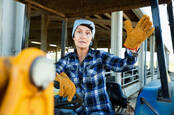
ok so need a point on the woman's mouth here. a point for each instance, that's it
(82, 42)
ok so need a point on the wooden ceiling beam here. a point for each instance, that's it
(35, 13)
(104, 26)
(35, 4)
(125, 16)
(107, 15)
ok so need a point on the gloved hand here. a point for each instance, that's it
(135, 36)
(67, 87)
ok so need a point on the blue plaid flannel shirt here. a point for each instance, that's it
(89, 77)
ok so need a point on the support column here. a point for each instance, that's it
(167, 60)
(141, 64)
(56, 54)
(26, 27)
(116, 38)
(44, 27)
(152, 50)
(145, 56)
(64, 36)
(11, 27)
(95, 42)
(109, 45)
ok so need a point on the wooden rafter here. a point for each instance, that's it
(104, 26)
(35, 4)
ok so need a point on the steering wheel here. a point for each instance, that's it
(74, 104)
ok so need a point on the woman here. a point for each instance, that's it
(86, 68)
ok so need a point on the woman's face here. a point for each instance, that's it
(82, 37)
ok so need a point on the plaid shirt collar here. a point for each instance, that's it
(90, 53)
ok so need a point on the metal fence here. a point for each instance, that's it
(130, 76)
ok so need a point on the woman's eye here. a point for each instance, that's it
(88, 33)
(79, 32)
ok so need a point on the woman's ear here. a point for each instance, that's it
(91, 43)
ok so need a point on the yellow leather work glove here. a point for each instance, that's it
(135, 36)
(67, 87)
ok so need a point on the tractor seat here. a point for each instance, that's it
(116, 95)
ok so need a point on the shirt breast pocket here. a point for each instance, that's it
(71, 70)
(94, 69)
(94, 76)
(94, 83)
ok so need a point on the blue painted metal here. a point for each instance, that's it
(150, 94)
(171, 20)
(160, 50)
(157, 97)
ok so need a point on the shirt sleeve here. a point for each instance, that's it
(60, 65)
(118, 64)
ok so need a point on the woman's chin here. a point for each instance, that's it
(83, 47)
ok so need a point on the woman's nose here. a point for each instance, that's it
(83, 35)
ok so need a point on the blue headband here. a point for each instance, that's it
(83, 21)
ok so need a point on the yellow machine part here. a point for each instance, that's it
(21, 96)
